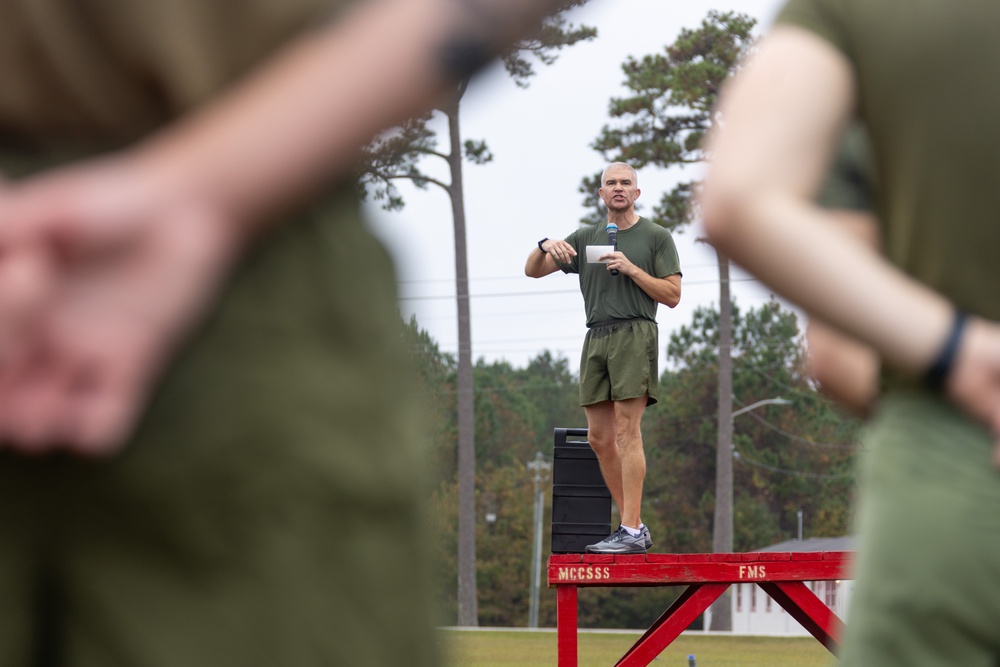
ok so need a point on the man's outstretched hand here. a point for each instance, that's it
(101, 275)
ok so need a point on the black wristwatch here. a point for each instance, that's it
(540, 245)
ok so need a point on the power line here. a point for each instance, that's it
(785, 471)
(800, 439)
(778, 383)
(532, 340)
(575, 290)
(413, 281)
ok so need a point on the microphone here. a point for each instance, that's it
(612, 229)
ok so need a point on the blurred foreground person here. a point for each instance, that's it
(928, 580)
(202, 463)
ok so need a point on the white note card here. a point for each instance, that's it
(594, 253)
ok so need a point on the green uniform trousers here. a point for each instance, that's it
(928, 571)
(266, 513)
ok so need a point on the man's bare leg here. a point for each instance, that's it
(615, 436)
(616, 439)
(631, 457)
(602, 434)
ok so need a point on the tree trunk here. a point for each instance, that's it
(468, 612)
(722, 535)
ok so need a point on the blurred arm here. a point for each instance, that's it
(303, 117)
(782, 116)
(105, 265)
(845, 369)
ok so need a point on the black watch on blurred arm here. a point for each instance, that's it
(540, 245)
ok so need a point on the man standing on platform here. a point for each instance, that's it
(621, 287)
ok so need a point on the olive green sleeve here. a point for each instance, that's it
(96, 74)
(850, 183)
(826, 18)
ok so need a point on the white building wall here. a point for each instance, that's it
(755, 613)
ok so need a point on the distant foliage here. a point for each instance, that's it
(787, 457)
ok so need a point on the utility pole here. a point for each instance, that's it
(541, 469)
(722, 534)
(722, 525)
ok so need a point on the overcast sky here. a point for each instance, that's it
(540, 138)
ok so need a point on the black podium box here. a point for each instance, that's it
(581, 503)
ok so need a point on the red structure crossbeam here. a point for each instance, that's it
(803, 605)
(707, 576)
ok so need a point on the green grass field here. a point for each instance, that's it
(488, 648)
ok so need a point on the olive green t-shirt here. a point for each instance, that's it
(850, 184)
(924, 73)
(87, 75)
(607, 297)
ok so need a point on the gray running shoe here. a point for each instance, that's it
(647, 540)
(619, 542)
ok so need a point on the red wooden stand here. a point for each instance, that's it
(706, 576)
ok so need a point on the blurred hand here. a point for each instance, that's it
(974, 382)
(101, 276)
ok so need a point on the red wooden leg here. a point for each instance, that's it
(671, 624)
(807, 609)
(566, 625)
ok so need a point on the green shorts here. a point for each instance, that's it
(927, 576)
(619, 361)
